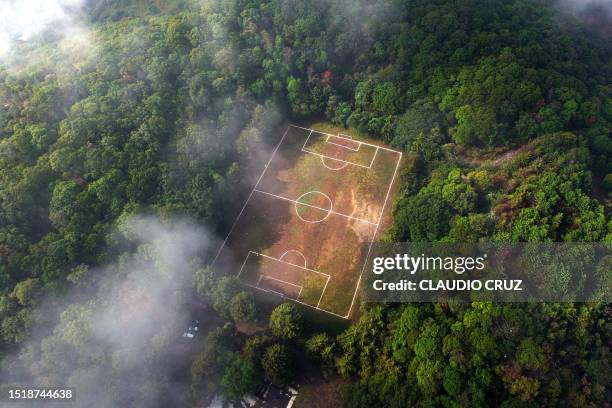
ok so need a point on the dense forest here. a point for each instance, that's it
(126, 150)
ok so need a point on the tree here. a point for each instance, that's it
(204, 281)
(242, 308)
(526, 388)
(459, 195)
(607, 182)
(474, 124)
(530, 355)
(386, 98)
(419, 119)
(321, 346)
(64, 202)
(254, 348)
(297, 96)
(405, 334)
(224, 291)
(25, 291)
(422, 218)
(469, 228)
(239, 378)
(286, 321)
(277, 364)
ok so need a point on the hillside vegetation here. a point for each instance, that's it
(503, 108)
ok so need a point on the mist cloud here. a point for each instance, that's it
(596, 15)
(580, 5)
(23, 20)
(120, 344)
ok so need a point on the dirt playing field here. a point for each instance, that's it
(305, 230)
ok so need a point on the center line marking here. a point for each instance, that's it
(314, 206)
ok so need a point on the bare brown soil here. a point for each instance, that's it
(306, 228)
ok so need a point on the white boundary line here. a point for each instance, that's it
(255, 189)
(295, 300)
(343, 146)
(365, 143)
(261, 277)
(322, 156)
(288, 263)
(322, 292)
(314, 206)
(250, 195)
(373, 158)
(307, 138)
(243, 264)
(340, 160)
(382, 213)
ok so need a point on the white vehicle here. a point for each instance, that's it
(192, 330)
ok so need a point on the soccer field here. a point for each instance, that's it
(306, 229)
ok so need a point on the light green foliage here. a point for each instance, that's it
(25, 292)
(321, 346)
(530, 355)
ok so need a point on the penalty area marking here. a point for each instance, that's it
(279, 260)
(296, 251)
(322, 156)
(333, 168)
(359, 141)
(340, 160)
(261, 276)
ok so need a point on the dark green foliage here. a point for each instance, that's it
(479, 354)
(286, 321)
(167, 111)
(424, 217)
(277, 364)
(239, 378)
(211, 366)
(607, 182)
(254, 348)
(242, 308)
(418, 120)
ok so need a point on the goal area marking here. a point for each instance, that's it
(347, 162)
